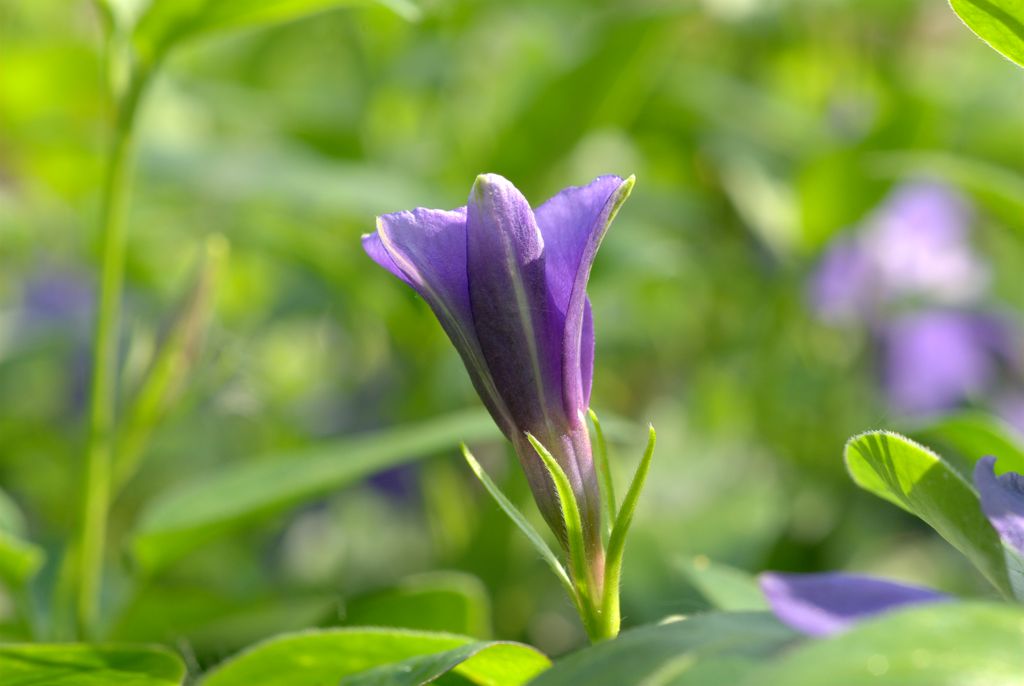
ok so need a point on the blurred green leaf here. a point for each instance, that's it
(439, 601)
(974, 435)
(1000, 23)
(314, 658)
(489, 663)
(942, 644)
(19, 559)
(172, 361)
(215, 619)
(709, 650)
(724, 587)
(89, 665)
(919, 481)
(168, 22)
(211, 505)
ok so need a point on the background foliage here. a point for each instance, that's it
(758, 132)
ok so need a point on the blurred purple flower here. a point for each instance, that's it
(915, 245)
(53, 297)
(934, 360)
(508, 285)
(823, 604)
(918, 241)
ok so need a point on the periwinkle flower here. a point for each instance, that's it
(914, 246)
(934, 360)
(824, 604)
(508, 285)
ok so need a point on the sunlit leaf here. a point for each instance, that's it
(88, 665)
(922, 483)
(485, 662)
(941, 644)
(212, 505)
(1000, 23)
(705, 650)
(314, 658)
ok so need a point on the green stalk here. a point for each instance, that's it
(99, 449)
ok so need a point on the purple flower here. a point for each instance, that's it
(915, 245)
(1002, 500)
(918, 241)
(934, 360)
(508, 285)
(823, 604)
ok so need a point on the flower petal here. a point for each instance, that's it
(511, 306)
(427, 249)
(823, 604)
(1002, 500)
(587, 353)
(573, 223)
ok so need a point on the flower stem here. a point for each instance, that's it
(102, 401)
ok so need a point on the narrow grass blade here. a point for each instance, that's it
(617, 542)
(604, 473)
(517, 517)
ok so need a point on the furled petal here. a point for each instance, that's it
(822, 604)
(427, 249)
(379, 254)
(510, 303)
(1002, 500)
(573, 223)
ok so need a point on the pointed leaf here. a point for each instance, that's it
(520, 521)
(922, 483)
(489, 663)
(1000, 23)
(319, 657)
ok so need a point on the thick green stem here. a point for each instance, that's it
(99, 450)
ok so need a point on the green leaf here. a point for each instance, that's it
(574, 536)
(436, 601)
(724, 587)
(922, 483)
(976, 434)
(166, 23)
(316, 658)
(604, 474)
(171, 364)
(1000, 23)
(19, 559)
(524, 525)
(941, 644)
(212, 505)
(705, 650)
(89, 665)
(617, 540)
(489, 663)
